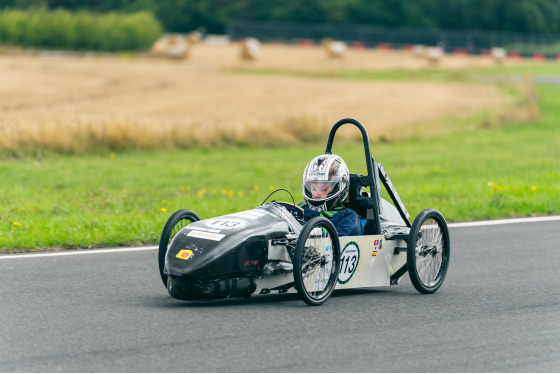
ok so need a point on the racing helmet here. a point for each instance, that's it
(326, 182)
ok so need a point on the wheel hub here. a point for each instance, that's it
(426, 250)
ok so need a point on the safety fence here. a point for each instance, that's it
(478, 42)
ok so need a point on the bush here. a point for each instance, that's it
(81, 30)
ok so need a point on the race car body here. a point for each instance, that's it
(272, 249)
(251, 252)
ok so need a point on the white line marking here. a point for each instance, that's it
(505, 221)
(132, 249)
(79, 252)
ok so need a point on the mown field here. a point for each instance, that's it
(76, 105)
(480, 165)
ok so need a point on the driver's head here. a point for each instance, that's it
(320, 190)
(325, 182)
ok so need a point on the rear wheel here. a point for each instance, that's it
(316, 261)
(428, 251)
(175, 223)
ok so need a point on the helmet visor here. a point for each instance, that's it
(320, 190)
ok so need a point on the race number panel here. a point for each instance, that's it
(364, 261)
(349, 260)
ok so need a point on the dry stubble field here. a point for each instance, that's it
(73, 104)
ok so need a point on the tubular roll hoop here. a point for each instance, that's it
(370, 162)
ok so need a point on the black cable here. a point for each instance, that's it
(280, 189)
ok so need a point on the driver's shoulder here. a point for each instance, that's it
(342, 210)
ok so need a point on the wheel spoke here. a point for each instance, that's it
(181, 224)
(428, 258)
(317, 263)
(429, 248)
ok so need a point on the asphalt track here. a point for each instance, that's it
(108, 311)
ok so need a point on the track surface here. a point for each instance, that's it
(498, 310)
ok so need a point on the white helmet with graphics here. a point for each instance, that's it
(326, 181)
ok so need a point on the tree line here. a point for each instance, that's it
(522, 16)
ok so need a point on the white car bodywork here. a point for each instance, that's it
(372, 260)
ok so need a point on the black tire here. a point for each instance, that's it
(428, 251)
(175, 223)
(313, 261)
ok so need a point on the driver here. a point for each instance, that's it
(326, 182)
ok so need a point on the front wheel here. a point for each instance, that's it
(428, 251)
(316, 261)
(175, 223)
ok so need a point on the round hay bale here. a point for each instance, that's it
(178, 48)
(434, 54)
(250, 49)
(159, 49)
(334, 48)
(418, 50)
(498, 54)
(194, 37)
(171, 46)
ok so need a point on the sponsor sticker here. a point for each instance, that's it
(184, 254)
(377, 245)
(206, 235)
(202, 229)
(316, 175)
(250, 263)
(348, 262)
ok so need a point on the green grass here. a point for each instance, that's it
(112, 199)
(544, 68)
(428, 74)
(388, 75)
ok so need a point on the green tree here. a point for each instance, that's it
(541, 16)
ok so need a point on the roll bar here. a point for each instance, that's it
(373, 169)
(365, 138)
(368, 180)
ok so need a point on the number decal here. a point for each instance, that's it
(225, 223)
(353, 264)
(349, 260)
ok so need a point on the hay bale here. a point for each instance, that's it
(498, 54)
(334, 48)
(418, 50)
(434, 54)
(194, 37)
(174, 46)
(178, 48)
(250, 49)
(159, 49)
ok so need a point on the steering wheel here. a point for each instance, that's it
(295, 210)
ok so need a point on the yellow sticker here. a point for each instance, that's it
(184, 254)
(374, 253)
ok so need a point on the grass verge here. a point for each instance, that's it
(125, 198)
(440, 75)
